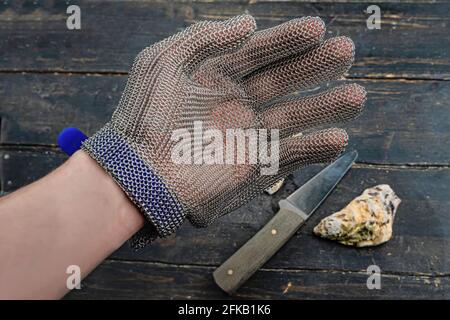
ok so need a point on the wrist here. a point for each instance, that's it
(137, 178)
(120, 217)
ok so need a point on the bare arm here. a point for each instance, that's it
(223, 74)
(77, 215)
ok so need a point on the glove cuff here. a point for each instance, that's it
(139, 181)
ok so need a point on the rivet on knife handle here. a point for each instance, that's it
(260, 248)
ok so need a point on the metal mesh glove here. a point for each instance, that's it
(227, 76)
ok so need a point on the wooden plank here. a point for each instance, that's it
(404, 122)
(411, 43)
(137, 280)
(421, 231)
(35, 108)
(21, 167)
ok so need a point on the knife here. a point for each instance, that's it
(294, 211)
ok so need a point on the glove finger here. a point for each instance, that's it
(267, 46)
(319, 147)
(327, 62)
(209, 38)
(333, 106)
(187, 49)
(296, 152)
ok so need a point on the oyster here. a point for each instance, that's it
(366, 221)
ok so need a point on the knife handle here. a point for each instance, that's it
(258, 250)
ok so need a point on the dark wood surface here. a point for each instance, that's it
(51, 78)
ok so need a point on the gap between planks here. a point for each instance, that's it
(53, 149)
(93, 73)
(299, 270)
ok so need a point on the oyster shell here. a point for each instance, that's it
(366, 221)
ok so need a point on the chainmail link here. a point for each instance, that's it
(227, 76)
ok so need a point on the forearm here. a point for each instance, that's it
(77, 215)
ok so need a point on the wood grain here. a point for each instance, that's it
(404, 122)
(421, 230)
(51, 78)
(125, 280)
(411, 43)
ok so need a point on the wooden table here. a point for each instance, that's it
(52, 77)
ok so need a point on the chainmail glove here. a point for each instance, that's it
(223, 75)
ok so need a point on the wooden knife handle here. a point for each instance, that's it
(258, 250)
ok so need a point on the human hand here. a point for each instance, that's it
(224, 76)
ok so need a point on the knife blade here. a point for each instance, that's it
(294, 211)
